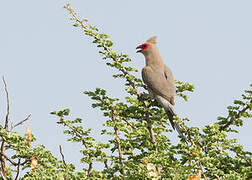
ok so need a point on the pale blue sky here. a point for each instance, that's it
(48, 63)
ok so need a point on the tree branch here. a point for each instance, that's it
(62, 156)
(85, 27)
(238, 115)
(127, 122)
(20, 123)
(117, 140)
(8, 105)
(202, 171)
(152, 136)
(2, 157)
(10, 160)
(217, 177)
(90, 165)
(18, 169)
(1, 172)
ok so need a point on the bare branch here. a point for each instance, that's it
(18, 169)
(20, 123)
(8, 105)
(62, 156)
(2, 157)
(10, 160)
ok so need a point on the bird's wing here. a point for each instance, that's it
(170, 82)
(159, 83)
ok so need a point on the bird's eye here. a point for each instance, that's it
(144, 45)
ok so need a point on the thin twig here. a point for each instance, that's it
(23, 163)
(127, 122)
(18, 169)
(64, 162)
(248, 163)
(152, 136)
(107, 167)
(106, 164)
(125, 72)
(75, 132)
(117, 141)
(149, 124)
(8, 105)
(3, 165)
(10, 160)
(217, 177)
(20, 123)
(90, 165)
(193, 143)
(202, 171)
(236, 117)
(62, 156)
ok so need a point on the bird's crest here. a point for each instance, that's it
(152, 40)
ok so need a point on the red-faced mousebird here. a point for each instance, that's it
(158, 78)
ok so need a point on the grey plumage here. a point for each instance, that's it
(159, 79)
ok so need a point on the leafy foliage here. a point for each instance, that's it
(135, 133)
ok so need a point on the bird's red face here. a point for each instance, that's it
(142, 47)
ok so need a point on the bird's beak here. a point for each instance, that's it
(140, 48)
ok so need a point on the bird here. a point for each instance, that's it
(159, 79)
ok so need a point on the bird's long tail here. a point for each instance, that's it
(168, 107)
(170, 112)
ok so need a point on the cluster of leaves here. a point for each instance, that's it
(136, 143)
(18, 155)
(136, 129)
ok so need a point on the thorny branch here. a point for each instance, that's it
(125, 72)
(132, 84)
(193, 143)
(238, 115)
(117, 140)
(90, 165)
